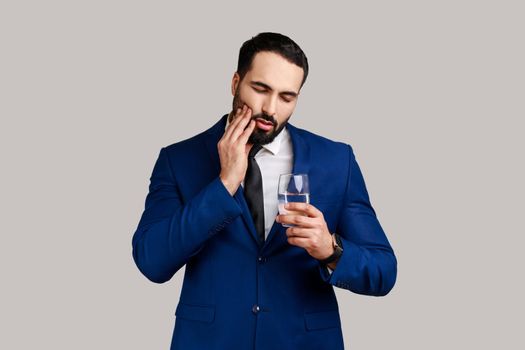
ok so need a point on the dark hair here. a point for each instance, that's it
(273, 42)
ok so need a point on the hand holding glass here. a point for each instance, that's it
(292, 188)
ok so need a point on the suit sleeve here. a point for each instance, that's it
(170, 232)
(368, 264)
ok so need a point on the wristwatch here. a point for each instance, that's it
(338, 250)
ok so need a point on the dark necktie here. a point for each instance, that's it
(253, 192)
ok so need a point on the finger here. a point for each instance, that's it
(299, 232)
(247, 132)
(308, 209)
(239, 112)
(297, 220)
(238, 116)
(299, 242)
(241, 125)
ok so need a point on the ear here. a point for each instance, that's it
(235, 82)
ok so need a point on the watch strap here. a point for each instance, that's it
(338, 250)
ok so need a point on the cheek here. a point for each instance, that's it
(286, 111)
(252, 99)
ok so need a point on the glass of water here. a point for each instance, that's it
(292, 188)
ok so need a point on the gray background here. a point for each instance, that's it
(429, 93)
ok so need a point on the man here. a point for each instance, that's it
(249, 282)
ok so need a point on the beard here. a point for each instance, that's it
(258, 136)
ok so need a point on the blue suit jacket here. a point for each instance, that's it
(237, 294)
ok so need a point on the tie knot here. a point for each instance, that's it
(253, 151)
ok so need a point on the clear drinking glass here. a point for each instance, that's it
(292, 188)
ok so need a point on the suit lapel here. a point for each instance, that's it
(212, 137)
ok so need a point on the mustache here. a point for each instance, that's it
(265, 117)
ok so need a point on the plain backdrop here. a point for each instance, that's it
(429, 93)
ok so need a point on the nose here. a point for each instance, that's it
(270, 105)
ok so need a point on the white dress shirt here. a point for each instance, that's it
(274, 159)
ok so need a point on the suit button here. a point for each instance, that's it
(261, 259)
(256, 309)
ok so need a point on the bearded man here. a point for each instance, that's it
(250, 282)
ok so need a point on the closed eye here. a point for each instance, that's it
(285, 99)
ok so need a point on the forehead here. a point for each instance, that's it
(275, 71)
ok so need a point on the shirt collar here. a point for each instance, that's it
(274, 146)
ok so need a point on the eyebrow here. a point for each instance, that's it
(266, 86)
